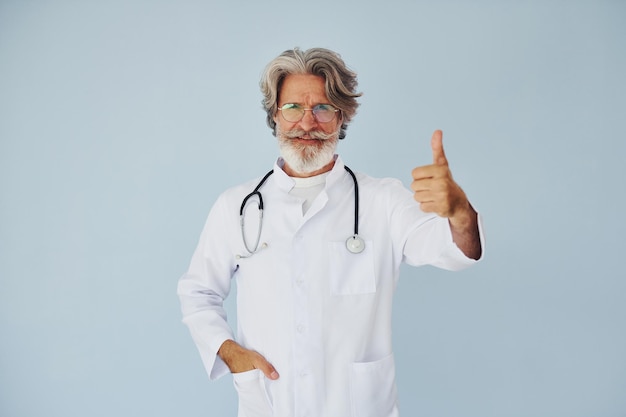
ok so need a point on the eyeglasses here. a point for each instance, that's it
(293, 113)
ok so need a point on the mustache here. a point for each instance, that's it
(313, 134)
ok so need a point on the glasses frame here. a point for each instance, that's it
(304, 109)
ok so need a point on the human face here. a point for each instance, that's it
(307, 146)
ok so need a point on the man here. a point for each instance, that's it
(314, 308)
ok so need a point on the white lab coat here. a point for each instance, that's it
(320, 314)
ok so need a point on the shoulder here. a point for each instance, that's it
(380, 185)
(234, 195)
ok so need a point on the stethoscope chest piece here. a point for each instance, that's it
(355, 244)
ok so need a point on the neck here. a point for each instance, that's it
(323, 169)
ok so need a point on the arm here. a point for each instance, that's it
(464, 228)
(202, 291)
(204, 287)
(438, 193)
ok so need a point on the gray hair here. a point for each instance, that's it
(340, 82)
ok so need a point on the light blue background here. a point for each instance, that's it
(121, 121)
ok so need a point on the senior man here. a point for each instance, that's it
(315, 250)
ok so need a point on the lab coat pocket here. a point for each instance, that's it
(373, 388)
(351, 273)
(253, 397)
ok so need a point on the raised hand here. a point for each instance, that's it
(438, 193)
(433, 185)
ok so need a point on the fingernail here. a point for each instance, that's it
(274, 375)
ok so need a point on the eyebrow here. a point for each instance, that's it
(302, 105)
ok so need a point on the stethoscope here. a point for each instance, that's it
(354, 243)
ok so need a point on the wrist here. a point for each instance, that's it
(463, 217)
(226, 350)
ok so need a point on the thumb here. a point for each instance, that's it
(436, 143)
(267, 368)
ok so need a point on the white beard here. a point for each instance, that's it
(304, 159)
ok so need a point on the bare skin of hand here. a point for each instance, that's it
(438, 193)
(239, 359)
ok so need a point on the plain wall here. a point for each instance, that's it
(121, 122)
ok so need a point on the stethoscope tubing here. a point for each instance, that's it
(255, 192)
(354, 243)
(356, 201)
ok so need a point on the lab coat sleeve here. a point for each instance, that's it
(426, 239)
(203, 289)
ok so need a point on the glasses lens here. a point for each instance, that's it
(292, 112)
(324, 112)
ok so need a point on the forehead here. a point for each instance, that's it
(303, 88)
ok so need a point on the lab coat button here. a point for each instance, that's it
(300, 328)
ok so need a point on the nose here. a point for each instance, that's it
(308, 122)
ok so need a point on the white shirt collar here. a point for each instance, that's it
(286, 183)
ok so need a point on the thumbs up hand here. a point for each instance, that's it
(433, 185)
(438, 193)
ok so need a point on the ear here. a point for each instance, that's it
(340, 119)
(275, 118)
